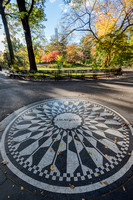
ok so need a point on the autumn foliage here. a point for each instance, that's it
(50, 57)
(79, 56)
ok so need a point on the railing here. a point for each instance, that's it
(64, 73)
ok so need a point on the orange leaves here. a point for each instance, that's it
(71, 186)
(50, 57)
(105, 182)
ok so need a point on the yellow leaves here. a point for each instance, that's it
(52, 168)
(115, 141)
(89, 153)
(106, 147)
(8, 197)
(106, 156)
(22, 188)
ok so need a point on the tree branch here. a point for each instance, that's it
(7, 2)
(31, 8)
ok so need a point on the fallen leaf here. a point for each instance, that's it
(106, 155)
(115, 138)
(89, 152)
(106, 147)
(106, 183)
(13, 186)
(51, 150)
(71, 186)
(83, 199)
(115, 141)
(77, 138)
(22, 188)
(129, 154)
(97, 115)
(13, 143)
(4, 162)
(1, 130)
(52, 168)
(8, 197)
(58, 153)
(60, 144)
(101, 182)
(54, 138)
(124, 188)
(79, 151)
(98, 174)
(6, 141)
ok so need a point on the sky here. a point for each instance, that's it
(54, 10)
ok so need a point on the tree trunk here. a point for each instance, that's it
(25, 23)
(7, 33)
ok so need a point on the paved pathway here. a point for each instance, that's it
(76, 155)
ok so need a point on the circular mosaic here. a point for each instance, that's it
(60, 143)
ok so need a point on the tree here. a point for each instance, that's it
(85, 45)
(107, 21)
(50, 57)
(24, 14)
(30, 12)
(99, 17)
(21, 56)
(3, 5)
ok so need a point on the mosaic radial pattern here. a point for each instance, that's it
(62, 142)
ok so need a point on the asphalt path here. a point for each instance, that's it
(116, 93)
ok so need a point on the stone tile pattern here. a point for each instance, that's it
(95, 145)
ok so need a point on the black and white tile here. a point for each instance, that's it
(66, 141)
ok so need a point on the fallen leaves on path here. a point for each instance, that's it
(58, 153)
(106, 183)
(22, 188)
(4, 162)
(124, 189)
(52, 168)
(71, 186)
